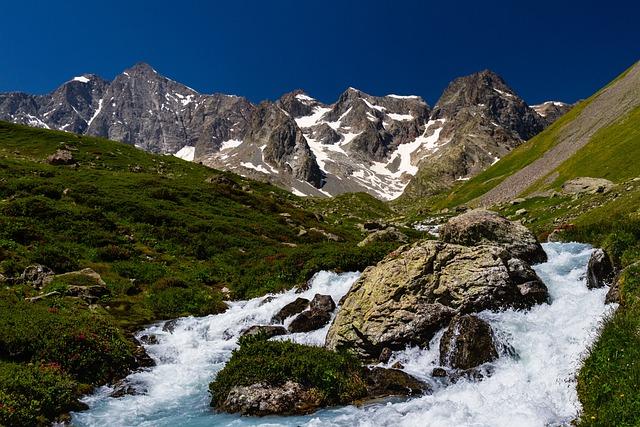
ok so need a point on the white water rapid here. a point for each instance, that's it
(536, 388)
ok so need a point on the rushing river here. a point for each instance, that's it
(536, 388)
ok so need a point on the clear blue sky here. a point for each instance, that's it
(261, 49)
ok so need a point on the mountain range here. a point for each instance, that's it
(382, 145)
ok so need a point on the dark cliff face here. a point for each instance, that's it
(482, 120)
(285, 147)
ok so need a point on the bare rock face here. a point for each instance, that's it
(417, 290)
(551, 110)
(260, 399)
(285, 147)
(467, 343)
(478, 227)
(600, 271)
(480, 119)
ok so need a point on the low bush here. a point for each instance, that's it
(336, 375)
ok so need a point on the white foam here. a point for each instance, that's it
(536, 388)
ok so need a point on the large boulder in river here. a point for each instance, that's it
(600, 270)
(417, 289)
(467, 343)
(483, 227)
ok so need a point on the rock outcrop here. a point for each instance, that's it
(61, 157)
(600, 271)
(416, 290)
(467, 343)
(481, 226)
(588, 185)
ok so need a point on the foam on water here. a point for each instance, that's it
(536, 388)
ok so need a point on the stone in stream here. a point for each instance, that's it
(382, 382)
(267, 330)
(483, 227)
(417, 289)
(600, 270)
(467, 343)
(316, 317)
(261, 399)
(293, 308)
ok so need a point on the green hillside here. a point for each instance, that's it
(611, 152)
(167, 236)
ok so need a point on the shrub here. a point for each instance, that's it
(171, 302)
(336, 375)
(35, 395)
(113, 253)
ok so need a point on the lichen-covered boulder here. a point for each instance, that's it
(467, 343)
(417, 289)
(483, 227)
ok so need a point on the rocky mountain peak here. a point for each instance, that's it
(298, 103)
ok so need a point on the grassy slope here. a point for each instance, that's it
(517, 159)
(166, 235)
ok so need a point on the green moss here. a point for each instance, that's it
(337, 376)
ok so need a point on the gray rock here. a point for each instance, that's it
(61, 157)
(36, 275)
(310, 320)
(291, 309)
(322, 303)
(382, 382)
(600, 271)
(467, 343)
(390, 234)
(481, 226)
(268, 330)
(582, 185)
(260, 399)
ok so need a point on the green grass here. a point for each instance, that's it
(612, 153)
(336, 376)
(609, 379)
(600, 158)
(136, 218)
(164, 234)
